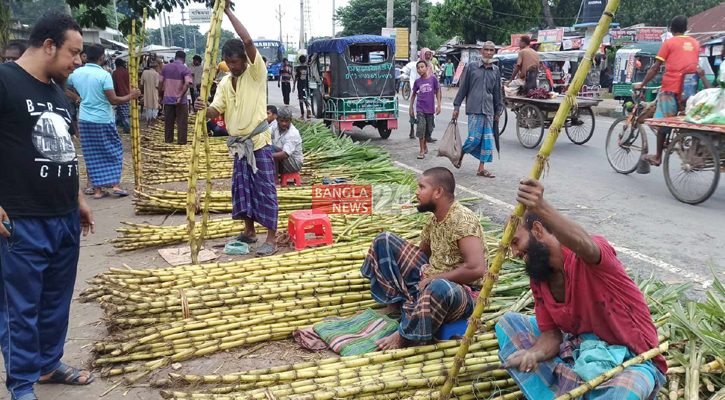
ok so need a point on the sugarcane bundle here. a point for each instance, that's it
(172, 314)
(139, 236)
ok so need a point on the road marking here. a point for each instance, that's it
(705, 283)
(407, 107)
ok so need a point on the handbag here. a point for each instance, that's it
(451, 145)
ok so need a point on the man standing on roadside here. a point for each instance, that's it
(150, 84)
(481, 88)
(122, 87)
(285, 79)
(174, 82)
(680, 54)
(197, 70)
(102, 147)
(42, 210)
(449, 73)
(527, 65)
(241, 97)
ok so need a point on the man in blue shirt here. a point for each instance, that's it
(102, 147)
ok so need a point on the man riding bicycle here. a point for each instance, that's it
(681, 55)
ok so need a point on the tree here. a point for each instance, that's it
(475, 20)
(659, 12)
(367, 17)
(547, 14)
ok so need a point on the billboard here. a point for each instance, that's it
(650, 34)
(200, 15)
(592, 10)
(550, 36)
(621, 37)
(402, 45)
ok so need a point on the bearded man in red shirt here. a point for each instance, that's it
(590, 315)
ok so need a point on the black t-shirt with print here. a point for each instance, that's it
(301, 73)
(37, 157)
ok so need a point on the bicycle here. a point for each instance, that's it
(627, 139)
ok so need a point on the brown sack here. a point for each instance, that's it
(450, 145)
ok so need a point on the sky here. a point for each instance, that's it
(259, 17)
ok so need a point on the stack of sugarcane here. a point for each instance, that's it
(172, 314)
(139, 236)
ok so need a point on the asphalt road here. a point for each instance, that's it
(651, 230)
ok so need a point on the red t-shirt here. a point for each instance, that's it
(121, 82)
(600, 299)
(680, 55)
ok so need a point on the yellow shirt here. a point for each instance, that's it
(245, 107)
(443, 239)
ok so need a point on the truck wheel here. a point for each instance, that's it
(384, 131)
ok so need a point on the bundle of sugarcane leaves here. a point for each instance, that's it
(696, 354)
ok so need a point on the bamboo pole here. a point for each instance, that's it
(587, 386)
(135, 151)
(200, 129)
(539, 166)
(207, 145)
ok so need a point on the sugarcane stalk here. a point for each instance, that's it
(200, 129)
(536, 171)
(207, 145)
(590, 385)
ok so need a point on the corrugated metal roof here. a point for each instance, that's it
(707, 24)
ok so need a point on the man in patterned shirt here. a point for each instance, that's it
(434, 283)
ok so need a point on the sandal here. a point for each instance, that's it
(245, 239)
(121, 193)
(90, 191)
(421, 156)
(266, 249)
(486, 174)
(66, 375)
(103, 196)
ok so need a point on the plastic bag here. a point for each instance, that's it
(451, 145)
(236, 248)
(707, 107)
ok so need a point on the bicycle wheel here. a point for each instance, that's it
(580, 128)
(530, 126)
(623, 147)
(694, 178)
(406, 90)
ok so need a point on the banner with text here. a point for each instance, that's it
(550, 36)
(362, 199)
(621, 37)
(200, 15)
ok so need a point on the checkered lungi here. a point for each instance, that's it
(103, 153)
(480, 137)
(555, 377)
(123, 113)
(395, 267)
(255, 195)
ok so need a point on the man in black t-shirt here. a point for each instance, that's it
(300, 83)
(285, 78)
(41, 207)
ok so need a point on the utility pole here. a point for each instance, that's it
(279, 18)
(414, 30)
(389, 16)
(302, 25)
(186, 46)
(171, 33)
(115, 15)
(333, 18)
(161, 28)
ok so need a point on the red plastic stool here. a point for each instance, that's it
(287, 177)
(309, 221)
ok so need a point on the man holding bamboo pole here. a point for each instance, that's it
(242, 97)
(590, 315)
(436, 282)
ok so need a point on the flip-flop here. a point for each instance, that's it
(651, 161)
(90, 191)
(66, 375)
(245, 239)
(486, 174)
(122, 193)
(421, 156)
(266, 249)
(102, 196)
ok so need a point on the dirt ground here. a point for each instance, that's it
(86, 319)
